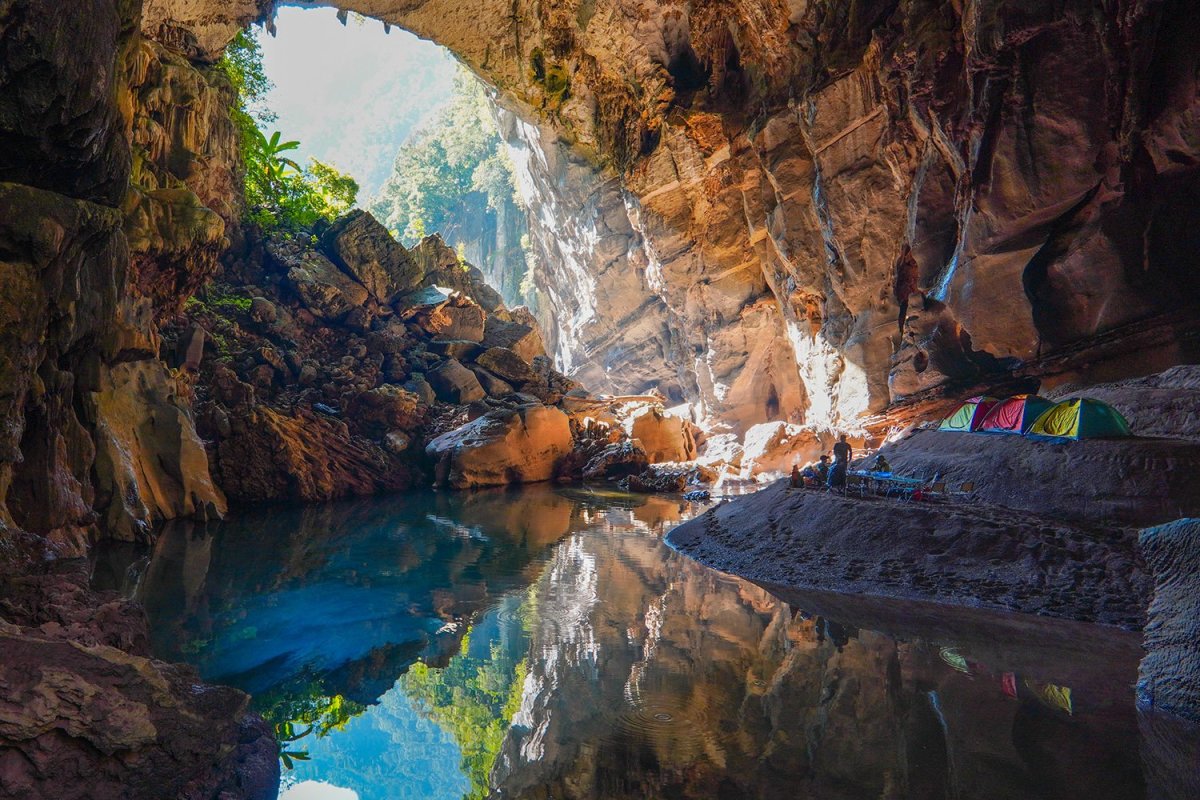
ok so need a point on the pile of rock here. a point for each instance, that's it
(325, 364)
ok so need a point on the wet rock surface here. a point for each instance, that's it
(87, 713)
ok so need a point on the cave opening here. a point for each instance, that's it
(415, 129)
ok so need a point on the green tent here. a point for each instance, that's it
(969, 415)
(1081, 418)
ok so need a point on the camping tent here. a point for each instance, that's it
(969, 415)
(1016, 414)
(1081, 418)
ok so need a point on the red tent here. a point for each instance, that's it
(1015, 415)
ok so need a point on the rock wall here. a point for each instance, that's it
(811, 210)
(118, 182)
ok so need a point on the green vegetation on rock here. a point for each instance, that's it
(279, 192)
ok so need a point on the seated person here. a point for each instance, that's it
(881, 464)
(822, 470)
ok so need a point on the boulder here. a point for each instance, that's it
(549, 385)
(463, 322)
(263, 310)
(460, 349)
(397, 442)
(389, 407)
(363, 247)
(774, 447)
(523, 339)
(422, 301)
(617, 460)
(421, 388)
(495, 387)
(325, 290)
(454, 383)
(507, 364)
(1169, 675)
(722, 449)
(668, 478)
(664, 437)
(505, 446)
(441, 265)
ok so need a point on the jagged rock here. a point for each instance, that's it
(454, 383)
(424, 301)
(506, 446)
(668, 478)
(1169, 675)
(363, 247)
(441, 266)
(455, 322)
(328, 292)
(359, 319)
(520, 337)
(229, 389)
(384, 409)
(306, 456)
(506, 364)
(664, 437)
(722, 449)
(617, 460)
(490, 383)
(88, 715)
(461, 350)
(421, 388)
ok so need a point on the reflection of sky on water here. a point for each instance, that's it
(547, 643)
(389, 752)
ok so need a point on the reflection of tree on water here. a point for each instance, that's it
(476, 695)
(539, 644)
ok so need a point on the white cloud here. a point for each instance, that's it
(317, 790)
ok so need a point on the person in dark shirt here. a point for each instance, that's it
(841, 463)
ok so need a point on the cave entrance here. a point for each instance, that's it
(416, 130)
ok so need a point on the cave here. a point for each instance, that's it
(488, 454)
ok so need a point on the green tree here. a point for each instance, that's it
(455, 168)
(278, 191)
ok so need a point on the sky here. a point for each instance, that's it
(352, 94)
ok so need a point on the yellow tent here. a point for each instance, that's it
(1081, 418)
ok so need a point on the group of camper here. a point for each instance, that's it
(824, 472)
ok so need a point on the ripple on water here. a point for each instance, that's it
(662, 721)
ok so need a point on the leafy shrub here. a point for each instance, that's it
(279, 192)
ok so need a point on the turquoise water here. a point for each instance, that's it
(546, 643)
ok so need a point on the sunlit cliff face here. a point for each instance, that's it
(807, 210)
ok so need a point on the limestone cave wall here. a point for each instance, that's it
(810, 210)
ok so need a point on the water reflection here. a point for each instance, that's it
(547, 644)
